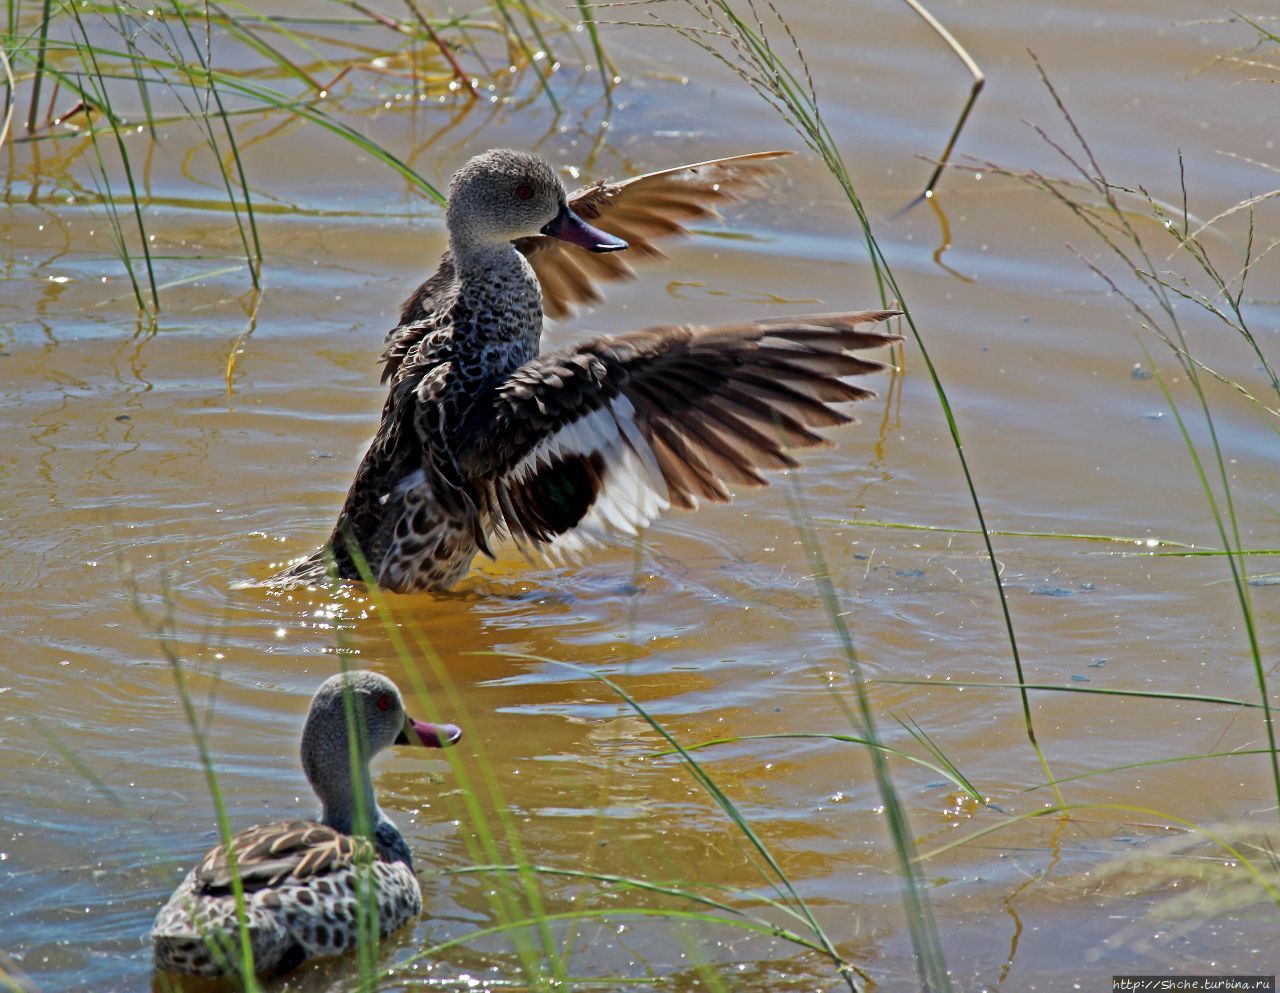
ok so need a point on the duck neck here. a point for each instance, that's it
(339, 777)
(482, 257)
(499, 300)
(347, 806)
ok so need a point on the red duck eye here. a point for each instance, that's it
(384, 702)
(524, 191)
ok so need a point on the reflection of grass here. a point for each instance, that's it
(108, 71)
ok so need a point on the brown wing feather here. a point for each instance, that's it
(268, 853)
(418, 319)
(680, 411)
(638, 210)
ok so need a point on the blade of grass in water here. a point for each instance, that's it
(102, 180)
(120, 23)
(752, 56)
(252, 254)
(93, 69)
(1064, 535)
(754, 59)
(241, 31)
(952, 771)
(535, 64)
(537, 961)
(1063, 688)
(1150, 763)
(10, 97)
(681, 890)
(603, 913)
(250, 241)
(772, 871)
(367, 929)
(163, 631)
(460, 75)
(930, 963)
(262, 95)
(593, 32)
(1235, 563)
(945, 768)
(1218, 840)
(1126, 245)
(979, 81)
(41, 42)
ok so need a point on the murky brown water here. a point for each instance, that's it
(124, 451)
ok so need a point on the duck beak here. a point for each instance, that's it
(427, 735)
(568, 226)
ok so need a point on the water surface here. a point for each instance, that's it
(139, 488)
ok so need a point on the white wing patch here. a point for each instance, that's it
(633, 491)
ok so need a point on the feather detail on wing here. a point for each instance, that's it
(641, 211)
(269, 853)
(417, 319)
(600, 439)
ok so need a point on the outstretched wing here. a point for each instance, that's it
(640, 211)
(269, 853)
(604, 437)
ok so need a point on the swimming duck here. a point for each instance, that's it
(481, 434)
(301, 878)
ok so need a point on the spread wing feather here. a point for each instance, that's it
(602, 438)
(640, 211)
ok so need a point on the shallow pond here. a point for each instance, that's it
(141, 481)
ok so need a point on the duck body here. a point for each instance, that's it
(301, 882)
(306, 884)
(483, 435)
(409, 513)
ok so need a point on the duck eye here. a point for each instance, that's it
(524, 191)
(384, 702)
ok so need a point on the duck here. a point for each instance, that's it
(484, 436)
(642, 211)
(301, 878)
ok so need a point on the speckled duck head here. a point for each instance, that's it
(505, 194)
(374, 702)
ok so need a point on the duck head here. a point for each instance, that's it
(371, 704)
(505, 194)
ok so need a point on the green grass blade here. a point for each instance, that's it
(943, 768)
(775, 875)
(1063, 688)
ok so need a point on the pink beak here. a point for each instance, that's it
(428, 735)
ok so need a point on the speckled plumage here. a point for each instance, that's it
(305, 880)
(481, 435)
